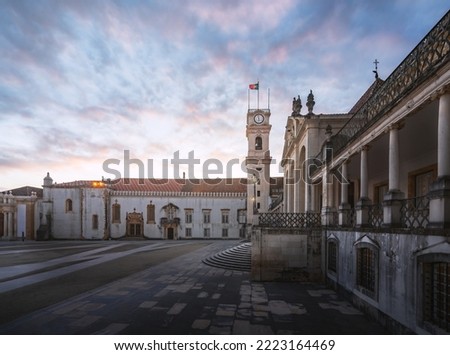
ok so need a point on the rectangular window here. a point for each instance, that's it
(206, 232)
(379, 191)
(224, 232)
(332, 256)
(116, 213)
(151, 213)
(206, 216)
(94, 221)
(188, 216)
(225, 216)
(188, 233)
(419, 181)
(436, 290)
(242, 216)
(366, 270)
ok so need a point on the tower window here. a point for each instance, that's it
(258, 143)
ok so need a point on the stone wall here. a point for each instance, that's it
(286, 255)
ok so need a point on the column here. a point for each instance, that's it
(392, 201)
(328, 211)
(344, 207)
(10, 224)
(364, 203)
(440, 190)
(5, 224)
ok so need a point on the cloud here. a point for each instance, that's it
(82, 81)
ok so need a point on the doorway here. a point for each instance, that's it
(170, 233)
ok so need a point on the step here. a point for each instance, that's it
(234, 258)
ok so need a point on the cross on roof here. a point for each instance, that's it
(376, 62)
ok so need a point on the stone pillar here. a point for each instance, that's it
(328, 211)
(440, 189)
(392, 201)
(364, 203)
(344, 207)
(5, 224)
(10, 224)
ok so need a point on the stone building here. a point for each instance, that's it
(366, 203)
(19, 212)
(144, 208)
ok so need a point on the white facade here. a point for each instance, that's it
(96, 210)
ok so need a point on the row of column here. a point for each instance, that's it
(439, 194)
(8, 224)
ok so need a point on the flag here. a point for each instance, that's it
(254, 86)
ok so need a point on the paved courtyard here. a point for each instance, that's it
(156, 287)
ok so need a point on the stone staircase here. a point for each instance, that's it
(235, 258)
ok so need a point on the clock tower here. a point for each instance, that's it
(258, 162)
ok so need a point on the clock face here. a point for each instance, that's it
(259, 119)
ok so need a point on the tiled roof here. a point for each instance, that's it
(25, 191)
(235, 185)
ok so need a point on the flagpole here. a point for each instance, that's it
(268, 98)
(248, 99)
(258, 95)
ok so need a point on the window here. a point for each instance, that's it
(242, 216)
(151, 213)
(258, 143)
(116, 213)
(366, 270)
(69, 205)
(94, 221)
(188, 216)
(332, 256)
(206, 216)
(379, 191)
(224, 232)
(188, 233)
(206, 232)
(225, 216)
(419, 181)
(436, 294)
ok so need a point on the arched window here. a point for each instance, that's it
(258, 143)
(69, 205)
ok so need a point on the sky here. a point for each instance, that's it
(89, 88)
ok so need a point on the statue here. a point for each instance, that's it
(310, 103)
(296, 106)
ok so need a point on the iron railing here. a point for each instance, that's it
(376, 216)
(290, 220)
(431, 54)
(415, 212)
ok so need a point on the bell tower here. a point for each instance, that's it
(258, 162)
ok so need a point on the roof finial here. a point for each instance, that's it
(376, 62)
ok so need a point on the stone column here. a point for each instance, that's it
(344, 207)
(328, 210)
(440, 190)
(364, 203)
(10, 224)
(5, 224)
(392, 200)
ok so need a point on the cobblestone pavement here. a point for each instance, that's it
(185, 296)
